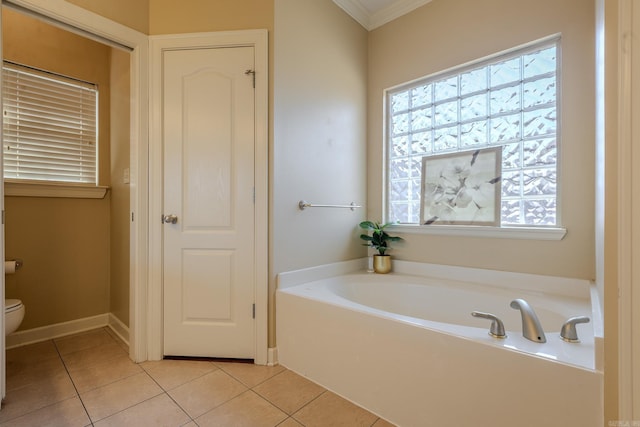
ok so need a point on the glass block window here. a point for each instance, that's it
(508, 101)
(50, 126)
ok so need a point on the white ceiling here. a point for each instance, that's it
(374, 13)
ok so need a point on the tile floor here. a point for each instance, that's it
(88, 380)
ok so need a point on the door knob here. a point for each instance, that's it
(169, 219)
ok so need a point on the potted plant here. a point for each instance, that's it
(379, 240)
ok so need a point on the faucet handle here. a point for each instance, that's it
(568, 332)
(497, 327)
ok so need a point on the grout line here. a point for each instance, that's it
(179, 385)
(266, 399)
(247, 388)
(169, 396)
(274, 405)
(225, 402)
(289, 417)
(133, 406)
(182, 409)
(245, 384)
(309, 402)
(72, 382)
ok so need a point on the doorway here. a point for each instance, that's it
(77, 265)
(88, 24)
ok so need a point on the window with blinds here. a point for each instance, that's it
(50, 126)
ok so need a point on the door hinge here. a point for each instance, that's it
(251, 73)
(254, 311)
(3, 215)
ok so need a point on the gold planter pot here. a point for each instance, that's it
(382, 264)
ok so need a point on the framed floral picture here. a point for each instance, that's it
(462, 188)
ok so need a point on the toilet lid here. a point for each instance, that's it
(10, 304)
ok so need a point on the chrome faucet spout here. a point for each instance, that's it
(531, 327)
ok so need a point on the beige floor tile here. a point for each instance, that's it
(83, 341)
(40, 391)
(332, 410)
(249, 374)
(33, 353)
(383, 423)
(290, 422)
(172, 373)
(205, 393)
(157, 412)
(91, 356)
(37, 395)
(117, 339)
(100, 374)
(20, 374)
(288, 391)
(246, 410)
(115, 397)
(68, 413)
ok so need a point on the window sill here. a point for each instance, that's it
(62, 190)
(529, 233)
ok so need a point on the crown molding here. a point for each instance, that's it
(356, 11)
(371, 21)
(393, 11)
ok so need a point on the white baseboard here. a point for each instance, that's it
(43, 333)
(119, 328)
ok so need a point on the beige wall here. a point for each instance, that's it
(64, 242)
(319, 133)
(446, 33)
(65, 245)
(131, 13)
(319, 147)
(120, 148)
(171, 17)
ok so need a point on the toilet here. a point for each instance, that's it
(13, 315)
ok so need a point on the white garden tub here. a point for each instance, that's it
(405, 346)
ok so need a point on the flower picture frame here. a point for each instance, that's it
(462, 188)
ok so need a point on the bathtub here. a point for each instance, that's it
(405, 346)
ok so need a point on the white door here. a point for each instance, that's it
(208, 253)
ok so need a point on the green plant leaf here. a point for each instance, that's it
(367, 225)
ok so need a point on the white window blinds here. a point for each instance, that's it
(50, 126)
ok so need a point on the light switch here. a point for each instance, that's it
(125, 176)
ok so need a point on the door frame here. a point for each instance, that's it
(258, 39)
(628, 208)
